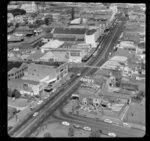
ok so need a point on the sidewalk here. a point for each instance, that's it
(133, 125)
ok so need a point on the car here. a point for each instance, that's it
(76, 125)
(35, 114)
(53, 90)
(126, 125)
(39, 102)
(46, 97)
(78, 74)
(87, 128)
(66, 123)
(111, 134)
(108, 121)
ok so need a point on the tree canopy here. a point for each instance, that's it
(71, 131)
(47, 134)
(95, 133)
(17, 12)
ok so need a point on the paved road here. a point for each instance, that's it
(56, 100)
(120, 131)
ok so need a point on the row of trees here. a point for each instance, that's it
(94, 133)
(138, 97)
(16, 12)
(14, 93)
(39, 22)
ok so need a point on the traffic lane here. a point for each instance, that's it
(30, 118)
(105, 127)
(47, 111)
(77, 81)
(39, 109)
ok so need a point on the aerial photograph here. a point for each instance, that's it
(75, 69)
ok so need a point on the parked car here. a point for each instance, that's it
(66, 123)
(78, 74)
(87, 128)
(108, 121)
(53, 90)
(46, 97)
(40, 102)
(35, 114)
(126, 125)
(111, 134)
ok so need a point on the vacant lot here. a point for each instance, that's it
(136, 114)
(58, 130)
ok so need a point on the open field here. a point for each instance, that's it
(136, 114)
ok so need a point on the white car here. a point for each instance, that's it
(40, 102)
(35, 114)
(111, 134)
(78, 74)
(126, 124)
(53, 90)
(66, 123)
(108, 121)
(87, 128)
(46, 97)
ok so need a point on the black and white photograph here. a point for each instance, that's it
(76, 69)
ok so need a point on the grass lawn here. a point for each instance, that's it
(136, 114)
(58, 130)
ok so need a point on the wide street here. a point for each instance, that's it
(32, 123)
(119, 130)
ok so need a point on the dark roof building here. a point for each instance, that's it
(13, 64)
(69, 31)
(90, 32)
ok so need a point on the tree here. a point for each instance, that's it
(46, 21)
(9, 24)
(17, 12)
(71, 131)
(47, 135)
(10, 92)
(95, 133)
(16, 93)
(33, 15)
(17, 25)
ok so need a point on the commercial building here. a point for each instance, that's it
(33, 78)
(128, 45)
(18, 72)
(69, 32)
(13, 38)
(24, 31)
(52, 44)
(92, 35)
(115, 63)
(29, 7)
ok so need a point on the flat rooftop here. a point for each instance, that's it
(69, 31)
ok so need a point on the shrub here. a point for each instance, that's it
(47, 135)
